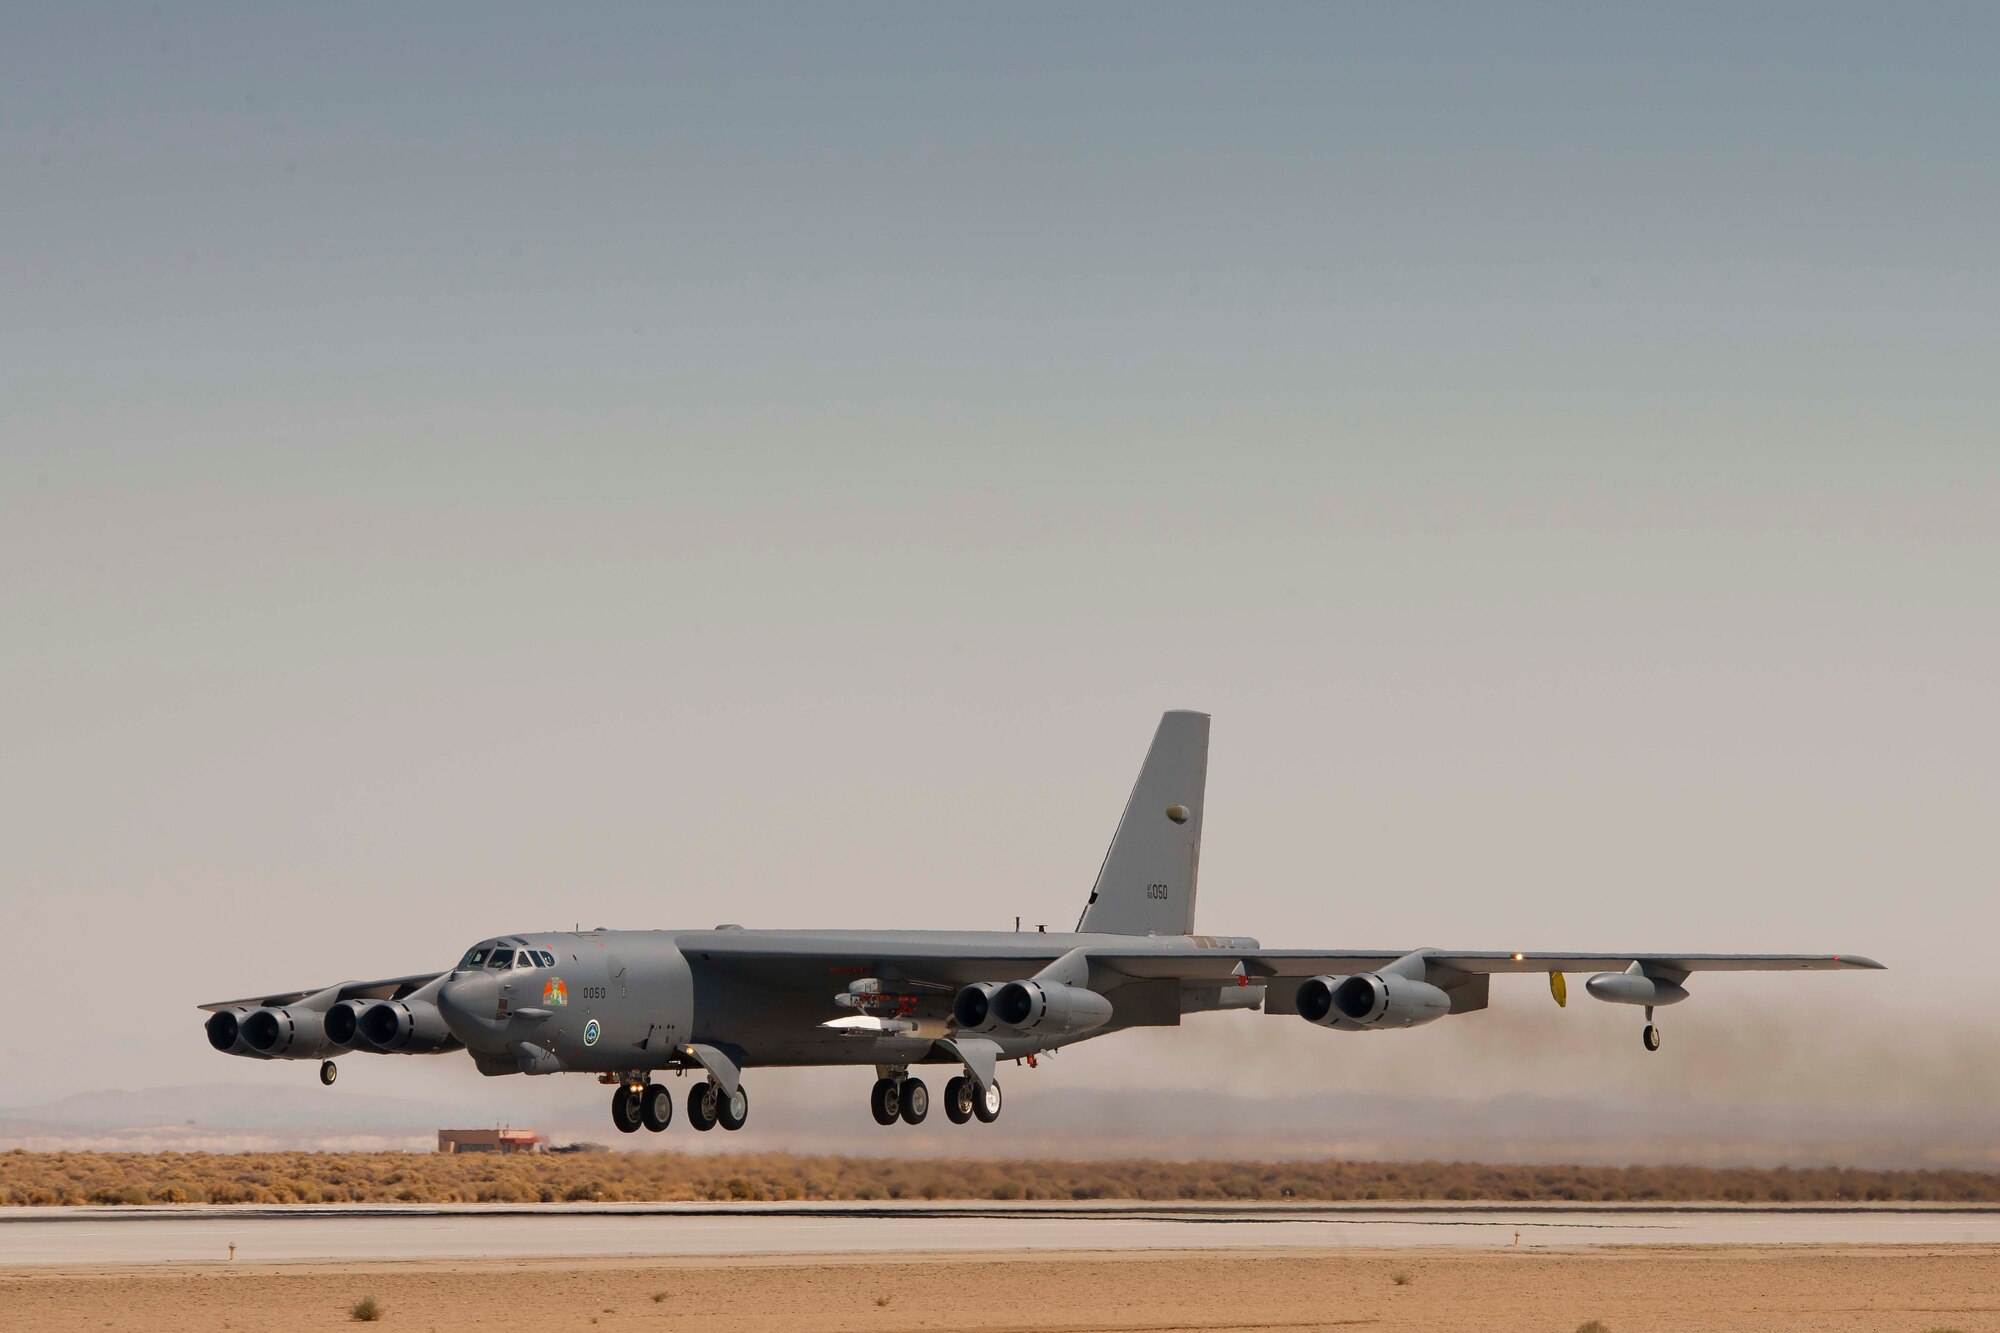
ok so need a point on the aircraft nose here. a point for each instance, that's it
(470, 1004)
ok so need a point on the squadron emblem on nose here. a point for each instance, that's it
(555, 995)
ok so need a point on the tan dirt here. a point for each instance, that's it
(1755, 1289)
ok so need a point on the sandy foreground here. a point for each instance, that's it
(1630, 1290)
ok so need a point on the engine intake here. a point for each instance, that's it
(1371, 1001)
(405, 1027)
(225, 1032)
(343, 1023)
(972, 1008)
(285, 1034)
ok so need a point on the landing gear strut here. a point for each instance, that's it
(1651, 1036)
(958, 1097)
(627, 1106)
(704, 1106)
(327, 1072)
(886, 1100)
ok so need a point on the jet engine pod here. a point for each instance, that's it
(1050, 1008)
(972, 1008)
(286, 1034)
(1634, 988)
(225, 1032)
(405, 1027)
(1315, 1002)
(1370, 1000)
(343, 1023)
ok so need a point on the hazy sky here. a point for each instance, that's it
(477, 469)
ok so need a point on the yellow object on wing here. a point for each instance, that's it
(1560, 989)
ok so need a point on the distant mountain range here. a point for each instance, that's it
(238, 1117)
(229, 1117)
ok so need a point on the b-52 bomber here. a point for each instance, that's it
(629, 1005)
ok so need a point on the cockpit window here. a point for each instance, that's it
(475, 958)
(548, 959)
(526, 958)
(501, 958)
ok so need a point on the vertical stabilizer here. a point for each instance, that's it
(1146, 886)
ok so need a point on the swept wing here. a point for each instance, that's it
(389, 988)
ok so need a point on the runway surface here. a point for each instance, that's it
(33, 1237)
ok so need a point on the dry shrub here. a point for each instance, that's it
(232, 1178)
(364, 1311)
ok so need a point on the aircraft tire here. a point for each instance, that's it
(1651, 1036)
(958, 1099)
(732, 1110)
(702, 1105)
(916, 1099)
(986, 1103)
(625, 1110)
(656, 1107)
(886, 1101)
(328, 1072)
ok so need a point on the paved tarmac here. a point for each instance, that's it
(33, 1237)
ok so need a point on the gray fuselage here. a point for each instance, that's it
(624, 1000)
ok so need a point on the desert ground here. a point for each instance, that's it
(1755, 1289)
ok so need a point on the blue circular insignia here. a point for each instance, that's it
(591, 1032)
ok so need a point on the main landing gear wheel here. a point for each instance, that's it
(704, 1102)
(986, 1103)
(732, 1108)
(625, 1108)
(958, 1096)
(656, 1107)
(886, 1101)
(916, 1101)
(327, 1072)
(1651, 1036)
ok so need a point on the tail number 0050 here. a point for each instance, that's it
(1156, 891)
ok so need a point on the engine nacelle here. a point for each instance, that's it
(405, 1027)
(343, 1023)
(225, 1032)
(1371, 1001)
(1050, 1008)
(286, 1034)
(972, 1007)
(1634, 988)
